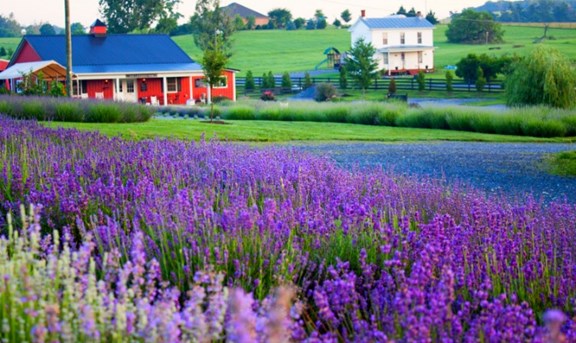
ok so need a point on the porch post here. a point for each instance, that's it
(191, 96)
(208, 94)
(234, 86)
(165, 90)
(116, 89)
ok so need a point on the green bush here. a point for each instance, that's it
(337, 114)
(460, 121)
(6, 108)
(366, 113)
(324, 92)
(69, 111)
(544, 128)
(507, 124)
(103, 113)
(33, 110)
(430, 118)
(268, 113)
(240, 113)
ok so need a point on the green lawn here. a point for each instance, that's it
(9, 43)
(563, 163)
(269, 131)
(279, 50)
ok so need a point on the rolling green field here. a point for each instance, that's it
(271, 131)
(279, 51)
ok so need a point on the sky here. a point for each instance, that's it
(28, 12)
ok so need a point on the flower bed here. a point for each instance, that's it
(182, 236)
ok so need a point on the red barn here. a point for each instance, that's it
(125, 67)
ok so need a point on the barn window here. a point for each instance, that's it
(222, 82)
(173, 84)
(199, 83)
(80, 87)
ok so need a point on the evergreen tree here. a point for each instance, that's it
(271, 80)
(480, 80)
(249, 84)
(343, 80)
(361, 64)
(286, 81)
(421, 79)
(449, 80)
(307, 81)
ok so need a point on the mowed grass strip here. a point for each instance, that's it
(563, 163)
(271, 131)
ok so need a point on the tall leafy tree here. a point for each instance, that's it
(472, 27)
(77, 29)
(47, 29)
(544, 77)
(249, 85)
(279, 18)
(346, 16)
(299, 23)
(401, 10)
(411, 13)
(361, 65)
(214, 61)
(9, 27)
(209, 23)
(124, 16)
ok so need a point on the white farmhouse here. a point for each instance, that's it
(403, 44)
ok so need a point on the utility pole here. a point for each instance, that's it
(68, 49)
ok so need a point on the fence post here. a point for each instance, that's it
(429, 84)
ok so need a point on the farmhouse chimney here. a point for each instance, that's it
(363, 13)
(419, 14)
(98, 29)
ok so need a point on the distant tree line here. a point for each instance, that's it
(539, 11)
(10, 27)
(430, 16)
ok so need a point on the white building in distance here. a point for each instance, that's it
(404, 45)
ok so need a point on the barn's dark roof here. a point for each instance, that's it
(235, 9)
(114, 53)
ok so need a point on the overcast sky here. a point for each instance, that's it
(86, 11)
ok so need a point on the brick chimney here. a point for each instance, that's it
(98, 29)
(363, 13)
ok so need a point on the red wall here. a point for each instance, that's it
(95, 86)
(27, 54)
(227, 92)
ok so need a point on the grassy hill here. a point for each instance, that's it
(279, 51)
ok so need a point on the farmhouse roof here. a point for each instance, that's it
(397, 22)
(235, 9)
(114, 53)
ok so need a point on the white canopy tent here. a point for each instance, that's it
(51, 70)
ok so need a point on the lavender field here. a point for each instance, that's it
(104, 239)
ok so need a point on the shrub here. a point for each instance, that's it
(343, 79)
(507, 124)
(365, 113)
(324, 92)
(307, 81)
(6, 107)
(421, 79)
(286, 81)
(449, 80)
(392, 87)
(544, 128)
(33, 110)
(240, 113)
(103, 113)
(68, 111)
(249, 85)
(337, 114)
(268, 113)
(480, 80)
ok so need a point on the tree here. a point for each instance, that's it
(421, 79)
(307, 80)
(77, 29)
(271, 80)
(9, 27)
(320, 20)
(343, 80)
(286, 82)
(401, 11)
(392, 87)
(264, 82)
(431, 17)
(210, 23)
(449, 79)
(239, 23)
(166, 25)
(361, 64)
(545, 77)
(337, 23)
(467, 68)
(47, 29)
(249, 85)
(213, 62)
(310, 24)
(3, 51)
(299, 23)
(346, 16)
(480, 80)
(471, 27)
(279, 18)
(124, 16)
(250, 22)
(411, 13)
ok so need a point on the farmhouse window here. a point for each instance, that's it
(385, 38)
(419, 56)
(386, 59)
(173, 84)
(419, 37)
(130, 86)
(402, 38)
(79, 88)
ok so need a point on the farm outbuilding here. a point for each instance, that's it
(150, 69)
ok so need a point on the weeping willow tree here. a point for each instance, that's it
(545, 77)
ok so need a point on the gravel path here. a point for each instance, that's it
(502, 168)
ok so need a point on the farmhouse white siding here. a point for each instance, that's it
(403, 45)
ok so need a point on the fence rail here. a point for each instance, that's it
(402, 83)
